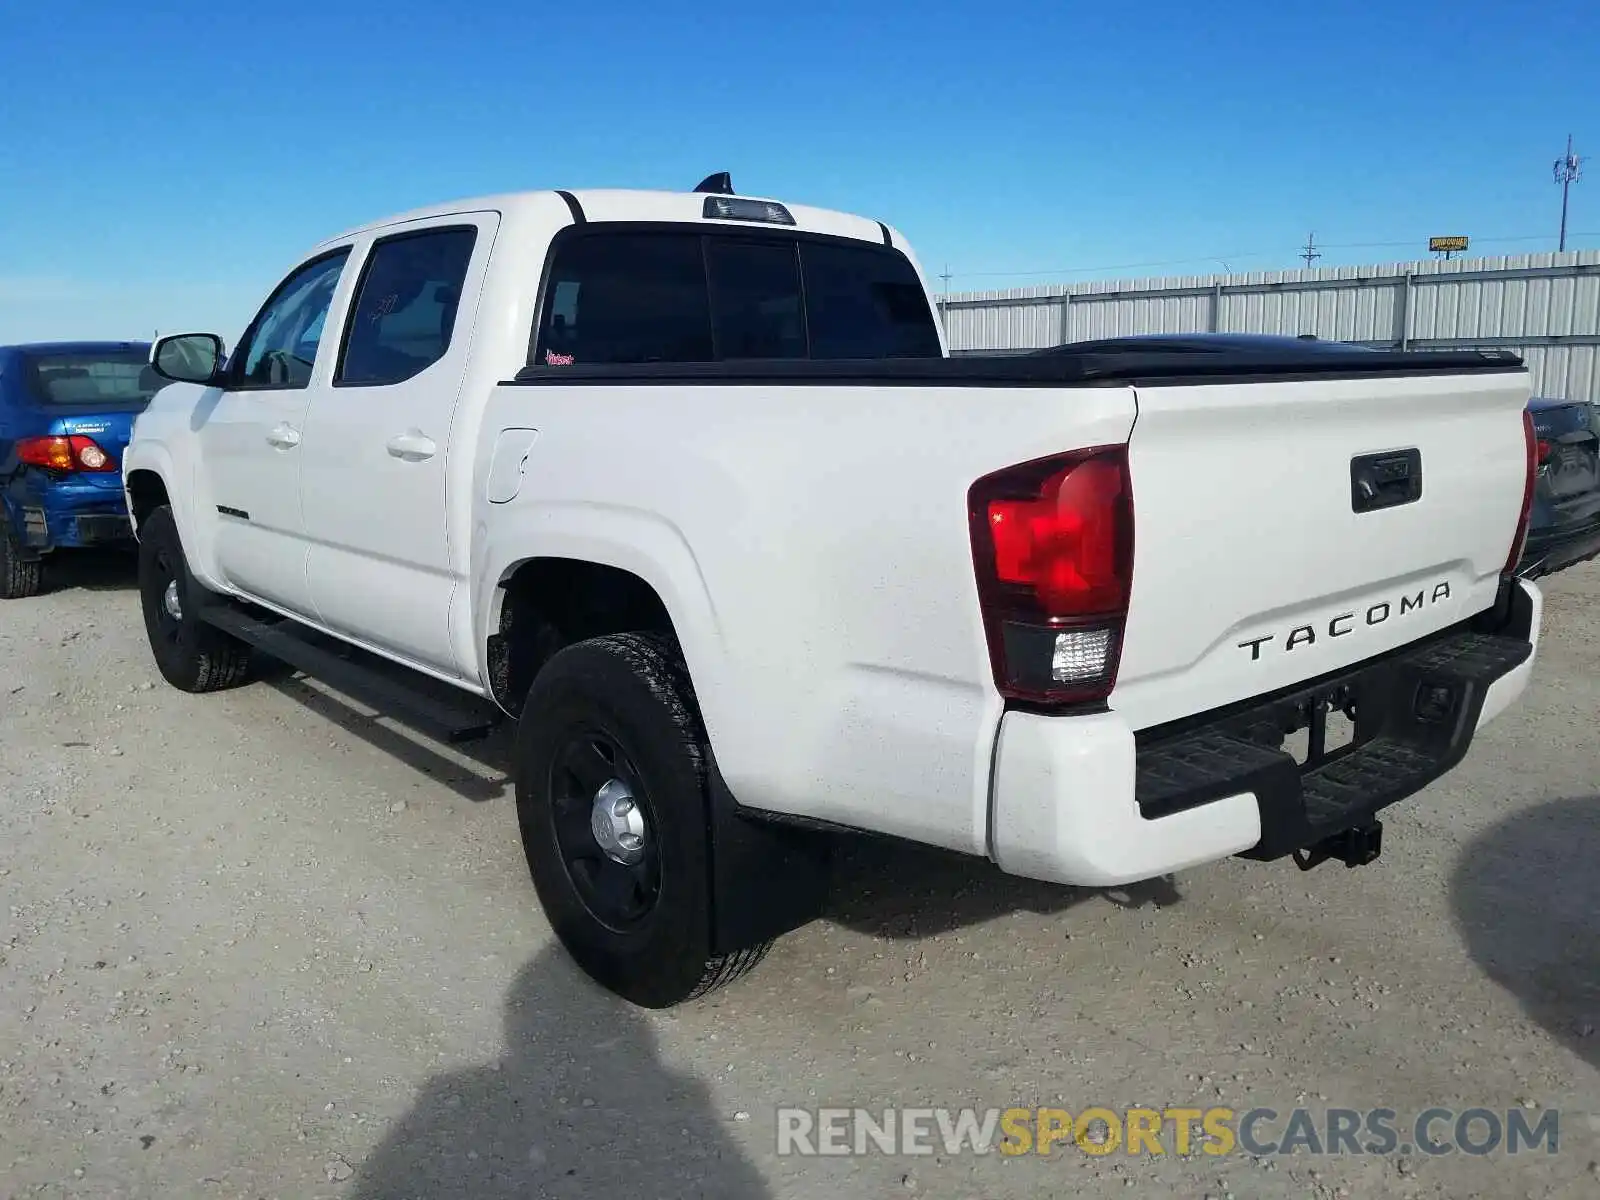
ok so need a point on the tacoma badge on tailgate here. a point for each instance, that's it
(1345, 623)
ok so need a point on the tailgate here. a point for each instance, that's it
(1255, 564)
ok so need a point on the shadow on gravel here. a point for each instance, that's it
(903, 890)
(882, 886)
(1526, 895)
(91, 571)
(580, 1106)
(486, 776)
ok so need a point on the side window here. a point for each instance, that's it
(865, 302)
(755, 299)
(405, 306)
(625, 298)
(280, 347)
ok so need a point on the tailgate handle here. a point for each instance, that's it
(1385, 480)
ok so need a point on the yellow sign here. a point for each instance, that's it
(1447, 244)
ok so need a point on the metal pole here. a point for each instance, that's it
(1405, 312)
(1566, 188)
(1568, 170)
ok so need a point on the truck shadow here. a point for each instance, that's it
(91, 570)
(883, 886)
(579, 1105)
(1526, 896)
(902, 890)
(477, 771)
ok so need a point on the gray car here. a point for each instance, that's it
(1565, 524)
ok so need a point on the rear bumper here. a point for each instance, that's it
(1083, 800)
(1554, 550)
(51, 518)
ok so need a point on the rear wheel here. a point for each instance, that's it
(190, 654)
(19, 576)
(612, 804)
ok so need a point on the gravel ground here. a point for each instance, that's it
(262, 944)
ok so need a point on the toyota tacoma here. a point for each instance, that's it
(689, 485)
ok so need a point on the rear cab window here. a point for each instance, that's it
(90, 379)
(681, 294)
(626, 298)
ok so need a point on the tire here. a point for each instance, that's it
(620, 710)
(19, 577)
(191, 655)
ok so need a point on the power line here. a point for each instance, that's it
(947, 274)
(1309, 251)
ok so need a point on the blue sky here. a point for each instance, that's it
(164, 163)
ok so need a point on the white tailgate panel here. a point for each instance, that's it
(1244, 529)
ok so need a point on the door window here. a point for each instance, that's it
(280, 347)
(405, 307)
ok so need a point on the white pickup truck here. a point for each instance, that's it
(689, 485)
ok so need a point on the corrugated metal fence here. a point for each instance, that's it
(1544, 306)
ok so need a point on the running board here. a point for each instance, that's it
(451, 720)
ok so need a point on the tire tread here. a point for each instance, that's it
(19, 577)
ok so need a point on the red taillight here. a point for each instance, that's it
(1543, 449)
(75, 453)
(1530, 482)
(1052, 543)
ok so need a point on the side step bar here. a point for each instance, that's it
(373, 681)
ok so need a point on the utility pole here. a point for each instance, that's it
(946, 277)
(1309, 251)
(1568, 171)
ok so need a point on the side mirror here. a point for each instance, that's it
(188, 357)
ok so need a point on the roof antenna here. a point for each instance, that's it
(720, 183)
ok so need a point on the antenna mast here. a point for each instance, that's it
(1568, 171)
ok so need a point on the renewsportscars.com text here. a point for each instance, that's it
(1174, 1130)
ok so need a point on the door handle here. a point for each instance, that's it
(284, 437)
(411, 446)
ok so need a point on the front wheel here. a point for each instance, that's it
(612, 804)
(190, 654)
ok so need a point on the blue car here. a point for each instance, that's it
(66, 411)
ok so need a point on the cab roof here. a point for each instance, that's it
(624, 204)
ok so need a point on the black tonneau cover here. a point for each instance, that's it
(1148, 360)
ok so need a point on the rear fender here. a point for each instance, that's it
(15, 495)
(640, 543)
(767, 877)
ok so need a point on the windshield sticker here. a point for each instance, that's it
(552, 359)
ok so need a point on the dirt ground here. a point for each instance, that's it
(263, 945)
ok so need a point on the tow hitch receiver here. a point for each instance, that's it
(1353, 847)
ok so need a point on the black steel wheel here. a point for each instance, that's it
(612, 802)
(605, 828)
(190, 654)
